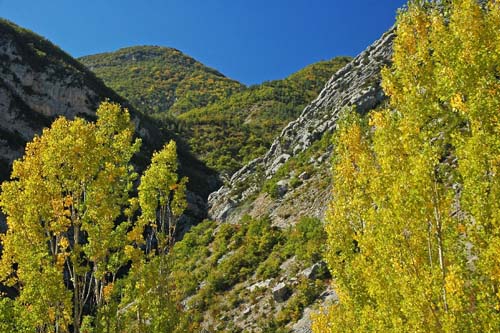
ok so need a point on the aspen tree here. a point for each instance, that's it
(413, 224)
(64, 242)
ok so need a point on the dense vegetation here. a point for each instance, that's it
(107, 268)
(412, 235)
(73, 223)
(159, 79)
(224, 123)
(210, 264)
(414, 228)
(233, 131)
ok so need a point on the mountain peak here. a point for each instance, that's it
(142, 53)
(160, 79)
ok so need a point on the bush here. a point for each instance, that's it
(270, 268)
(307, 291)
(306, 240)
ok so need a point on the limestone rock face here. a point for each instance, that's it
(356, 85)
(39, 82)
(301, 191)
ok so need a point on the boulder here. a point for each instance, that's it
(281, 188)
(281, 292)
(315, 271)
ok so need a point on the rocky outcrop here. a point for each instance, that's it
(356, 85)
(281, 292)
(315, 271)
(39, 82)
(303, 191)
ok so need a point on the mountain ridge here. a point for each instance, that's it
(286, 190)
(231, 132)
(357, 84)
(266, 197)
(158, 79)
(280, 199)
(225, 126)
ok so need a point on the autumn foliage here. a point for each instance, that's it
(413, 228)
(72, 231)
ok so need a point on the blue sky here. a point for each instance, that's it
(248, 40)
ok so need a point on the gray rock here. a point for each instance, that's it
(246, 311)
(304, 324)
(277, 163)
(260, 285)
(282, 188)
(329, 296)
(312, 272)
(281, 292)
(224, 257)
(226, 210)
(288, 265)
(304, 175)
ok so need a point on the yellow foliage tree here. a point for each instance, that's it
(414, 222)
(150, 304)
(64, 243)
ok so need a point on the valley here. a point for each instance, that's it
(143, 191)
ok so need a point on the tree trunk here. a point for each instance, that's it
(76, 287)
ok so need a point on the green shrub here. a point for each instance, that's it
(224, 255)
(306, 240)
(307, 291)
(270, 268)
(295, 182)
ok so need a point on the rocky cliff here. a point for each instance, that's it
(355, 85)
(39, 82)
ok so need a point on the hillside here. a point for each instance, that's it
(224, 123)
(266, 261)
(304, 144)
(233, 131)
(159, 80)
(39, 82)
(264, 270)
(226, 133)
(356, 195)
